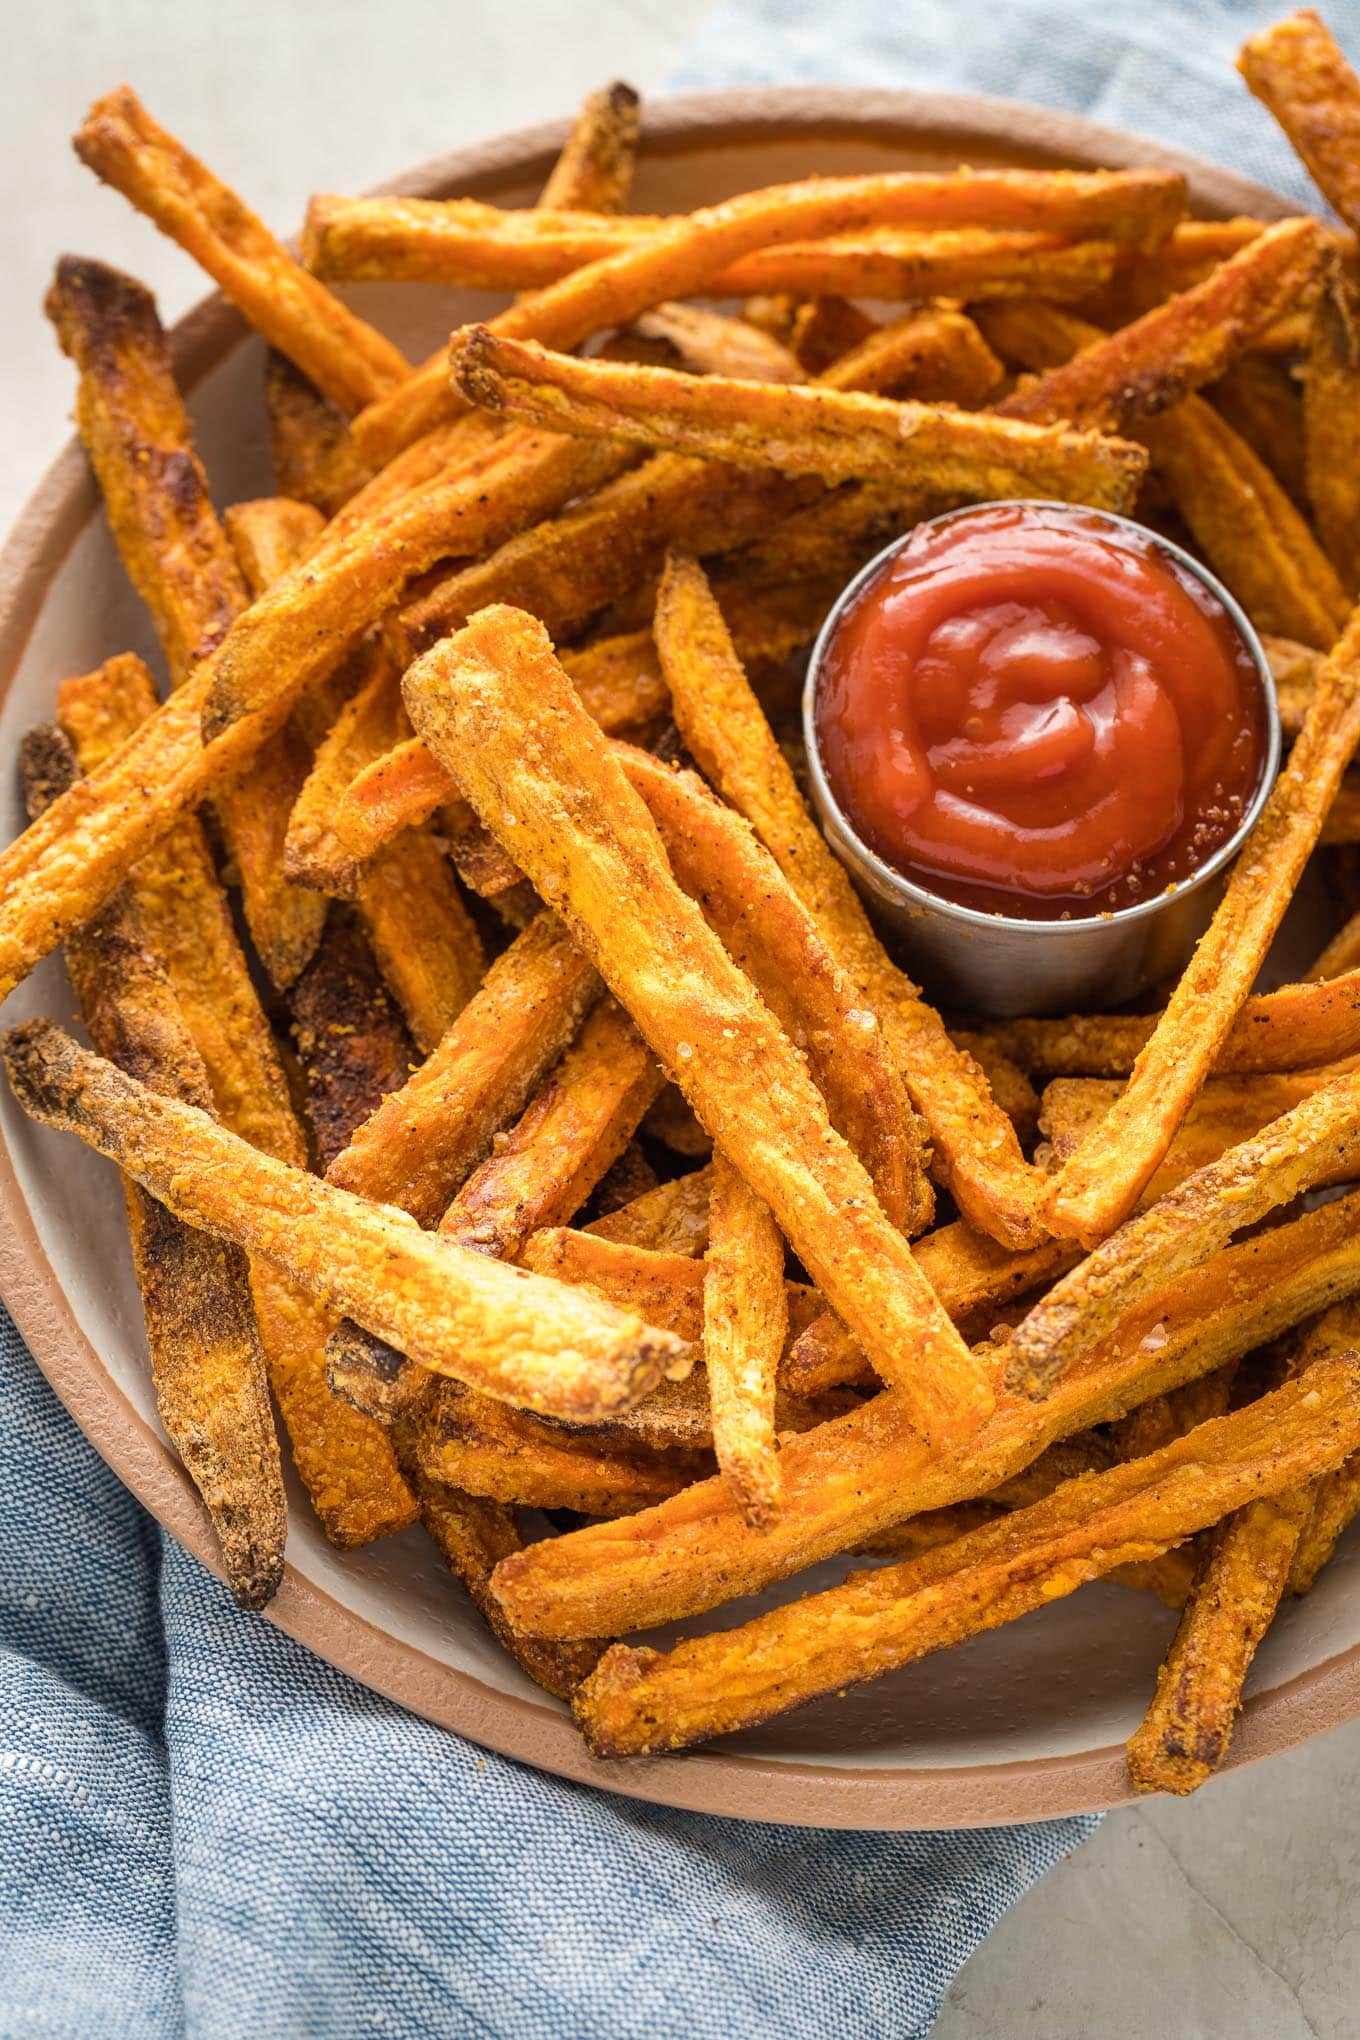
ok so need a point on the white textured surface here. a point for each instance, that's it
(1232, 1917)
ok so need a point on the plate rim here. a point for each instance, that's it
(713, 1780)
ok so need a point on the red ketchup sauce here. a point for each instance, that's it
(1034, 712)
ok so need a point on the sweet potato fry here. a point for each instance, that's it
(1335, 1499)
(494, 699)
(1145, 277)
(1316, 1141)
(349, 361)
(425, 1140)
(672, 1219)
(1262, 401)
(594, 170)
(726, 731)
(303, 624)
(1296, 69)
(1341, 957)
(371, 721)
(1294, 668)
(797, 429)
(206, 1364)
(935, 352)
(637, 1701)
(713, 343)
(269, 535)
(513, 1335)
(1331, 407)
(346, 1464)
(1296, 1027)
(1146, 368)
(1099, 1185)
(745, 1326)
(180, 560)
(314, 457)
(856, 1476)
(896, 266)
(426, 942)
(350, 1039)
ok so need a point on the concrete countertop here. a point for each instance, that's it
(1230, 1917)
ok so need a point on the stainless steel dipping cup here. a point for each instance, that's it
(996, 963)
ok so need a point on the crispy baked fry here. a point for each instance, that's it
(1145, 277)
(1260, 398)
(856, 1476)
(1296, 69)
(594, 169)
(724, 727)
(1099, 1185)
(714, 343)
(672, 1219)
(636, 1701)
(425, 1140)
(314, 457)
(426, 942)
(1336, 1496)
(896, 266)
(666, 1285)
(489, 1450)
(1144, 369)
(935, 352)
(371, 721)
(1316, 1141)
(206, 1363)
(269, 535)
(179, 559)
(1294, 668)
(745, 1326)
(513, 1335)
(795, 428)
(495, 699)
(1331, 409)
(350, 1038)
(303, 624)
(346, 359)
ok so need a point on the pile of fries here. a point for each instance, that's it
(587, 1153)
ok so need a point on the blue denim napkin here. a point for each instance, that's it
(205, 1831)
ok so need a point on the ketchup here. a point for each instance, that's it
(1036, 712)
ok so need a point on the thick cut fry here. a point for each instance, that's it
(1294, 668)
(745, 1326)
(666, 1286)
(896, 266)
(426, 942)
(269, 535)
(206, 1363)
(495, 700)
(797, 429)
(725, 728)
(489, 1450)
(314, 457)
(1099, 1185)
(1296, 1027)
(935, 353)
(180, 560)
(771, 935)
(1331, 411)
(1318, 1140)
(303, 624)
(672, 1219)
(473, 1535)
(636, 1701)
(513, 1335)
(346, 359)
(856, 1476)
(346, 1463)
(424, 1141)
(1296, 69)
(349, 1035)
(1146, 368)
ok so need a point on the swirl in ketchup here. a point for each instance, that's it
(1038, 712)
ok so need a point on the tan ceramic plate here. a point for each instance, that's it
(1024, 1723)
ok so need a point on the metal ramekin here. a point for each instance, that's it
(995, 963)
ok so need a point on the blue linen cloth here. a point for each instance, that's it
(206, 1831)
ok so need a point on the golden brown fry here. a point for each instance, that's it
(426, 942)
(1341, 957)
(512, 1335)
(350, 1039)
(1184, 1736)
(594, 170)
(724, 727)
(637, 1701)
(314, 457)
(206, 1363)
(857, 1475)
(796, 429)
(713, 343)
(473, 1535)
(1263, 403)
(577, 1124)
(745, 1326)
(1317, 1140)
(1099, 1185)
(495, 700)
(269, 535)
(304, 623)
(424, 1141)
(935, 352)
(488, 1450)
(348, 360)
(1144, 369)
(1331, 410)
(1296, 69)
(976, 263)
(672, 1219)
(372, 720)
(1145, 277)
(1294, 668)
